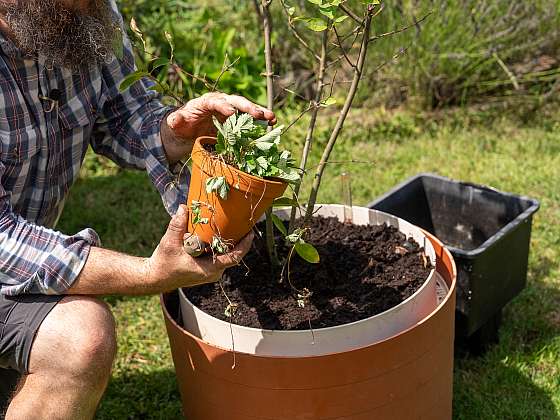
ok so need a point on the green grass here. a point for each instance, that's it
(517, 379)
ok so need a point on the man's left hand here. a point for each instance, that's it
(194, 119)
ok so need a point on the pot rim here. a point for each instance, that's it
(277, 183)
(440, 304)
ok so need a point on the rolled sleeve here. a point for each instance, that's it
(35, 259)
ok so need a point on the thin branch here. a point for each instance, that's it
(301, 114)
(351, 14)
(344, 53)
(311, 128)
(225, 69)
(405, 28)
(355, 31)
(342, 116)
(295, 32)
(342, 48)
(267, 30)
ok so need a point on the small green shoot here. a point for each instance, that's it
(218, 185)
(195, 211)
(245, 144)
(218, 245)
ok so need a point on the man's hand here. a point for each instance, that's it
(171, 265)
(183, 126)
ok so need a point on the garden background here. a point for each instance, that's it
(472, 95)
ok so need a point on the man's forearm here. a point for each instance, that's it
(109, 272)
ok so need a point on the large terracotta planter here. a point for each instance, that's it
(405, 375)
(248, 197)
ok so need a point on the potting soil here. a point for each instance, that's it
(364, 270)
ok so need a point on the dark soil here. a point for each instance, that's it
(364, 270)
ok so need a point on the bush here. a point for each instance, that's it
(465, 51)
(207, 36)
(471, 50)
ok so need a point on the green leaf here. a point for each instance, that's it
(315, 24)
(132, 78)
(291, 10)
(279, 224)
(261, 160)
(272, 136)
(284, 202)
(158, 62)
(328, 11)
(341, 19)
(329, 101)
(218, 185)
(308, 252)
(319, 2)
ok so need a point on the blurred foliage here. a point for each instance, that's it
(471, 50)
(208, 36)
(465, 51)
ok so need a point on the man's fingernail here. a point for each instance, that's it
(180, 211)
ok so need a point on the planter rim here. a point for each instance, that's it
(534, 205)
(440, 304)
(276, 182)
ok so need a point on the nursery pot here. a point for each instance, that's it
(399, 374)
(248, 197)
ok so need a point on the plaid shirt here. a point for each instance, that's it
(42, 150)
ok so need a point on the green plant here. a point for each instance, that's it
(206, 40)
(245, 144)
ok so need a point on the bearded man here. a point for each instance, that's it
(59, 93)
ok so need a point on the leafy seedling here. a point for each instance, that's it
(245, 144)
(218, 185)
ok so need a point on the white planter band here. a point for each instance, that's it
(329, 340)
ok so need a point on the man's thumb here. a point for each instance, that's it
(177, 226)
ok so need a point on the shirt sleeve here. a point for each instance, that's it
(34, 259)
(128, 130)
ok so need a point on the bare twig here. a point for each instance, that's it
(358, 69)
(296, 33)
(301, 114)
(267, 30)
(351, 14)
(342, 48)
(311, 127)
(225, 69)
(404, 28)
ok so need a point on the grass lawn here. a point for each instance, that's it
(517, 379)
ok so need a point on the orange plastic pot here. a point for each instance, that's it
(248, 198)
(409, 375)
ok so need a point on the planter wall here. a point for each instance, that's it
(407, 375)
(488, 233)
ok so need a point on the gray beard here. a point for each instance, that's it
(67, 37)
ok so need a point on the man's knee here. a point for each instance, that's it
(77, 338)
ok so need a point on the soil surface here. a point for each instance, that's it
(364, 270)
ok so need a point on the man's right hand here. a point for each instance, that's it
(171, 265)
